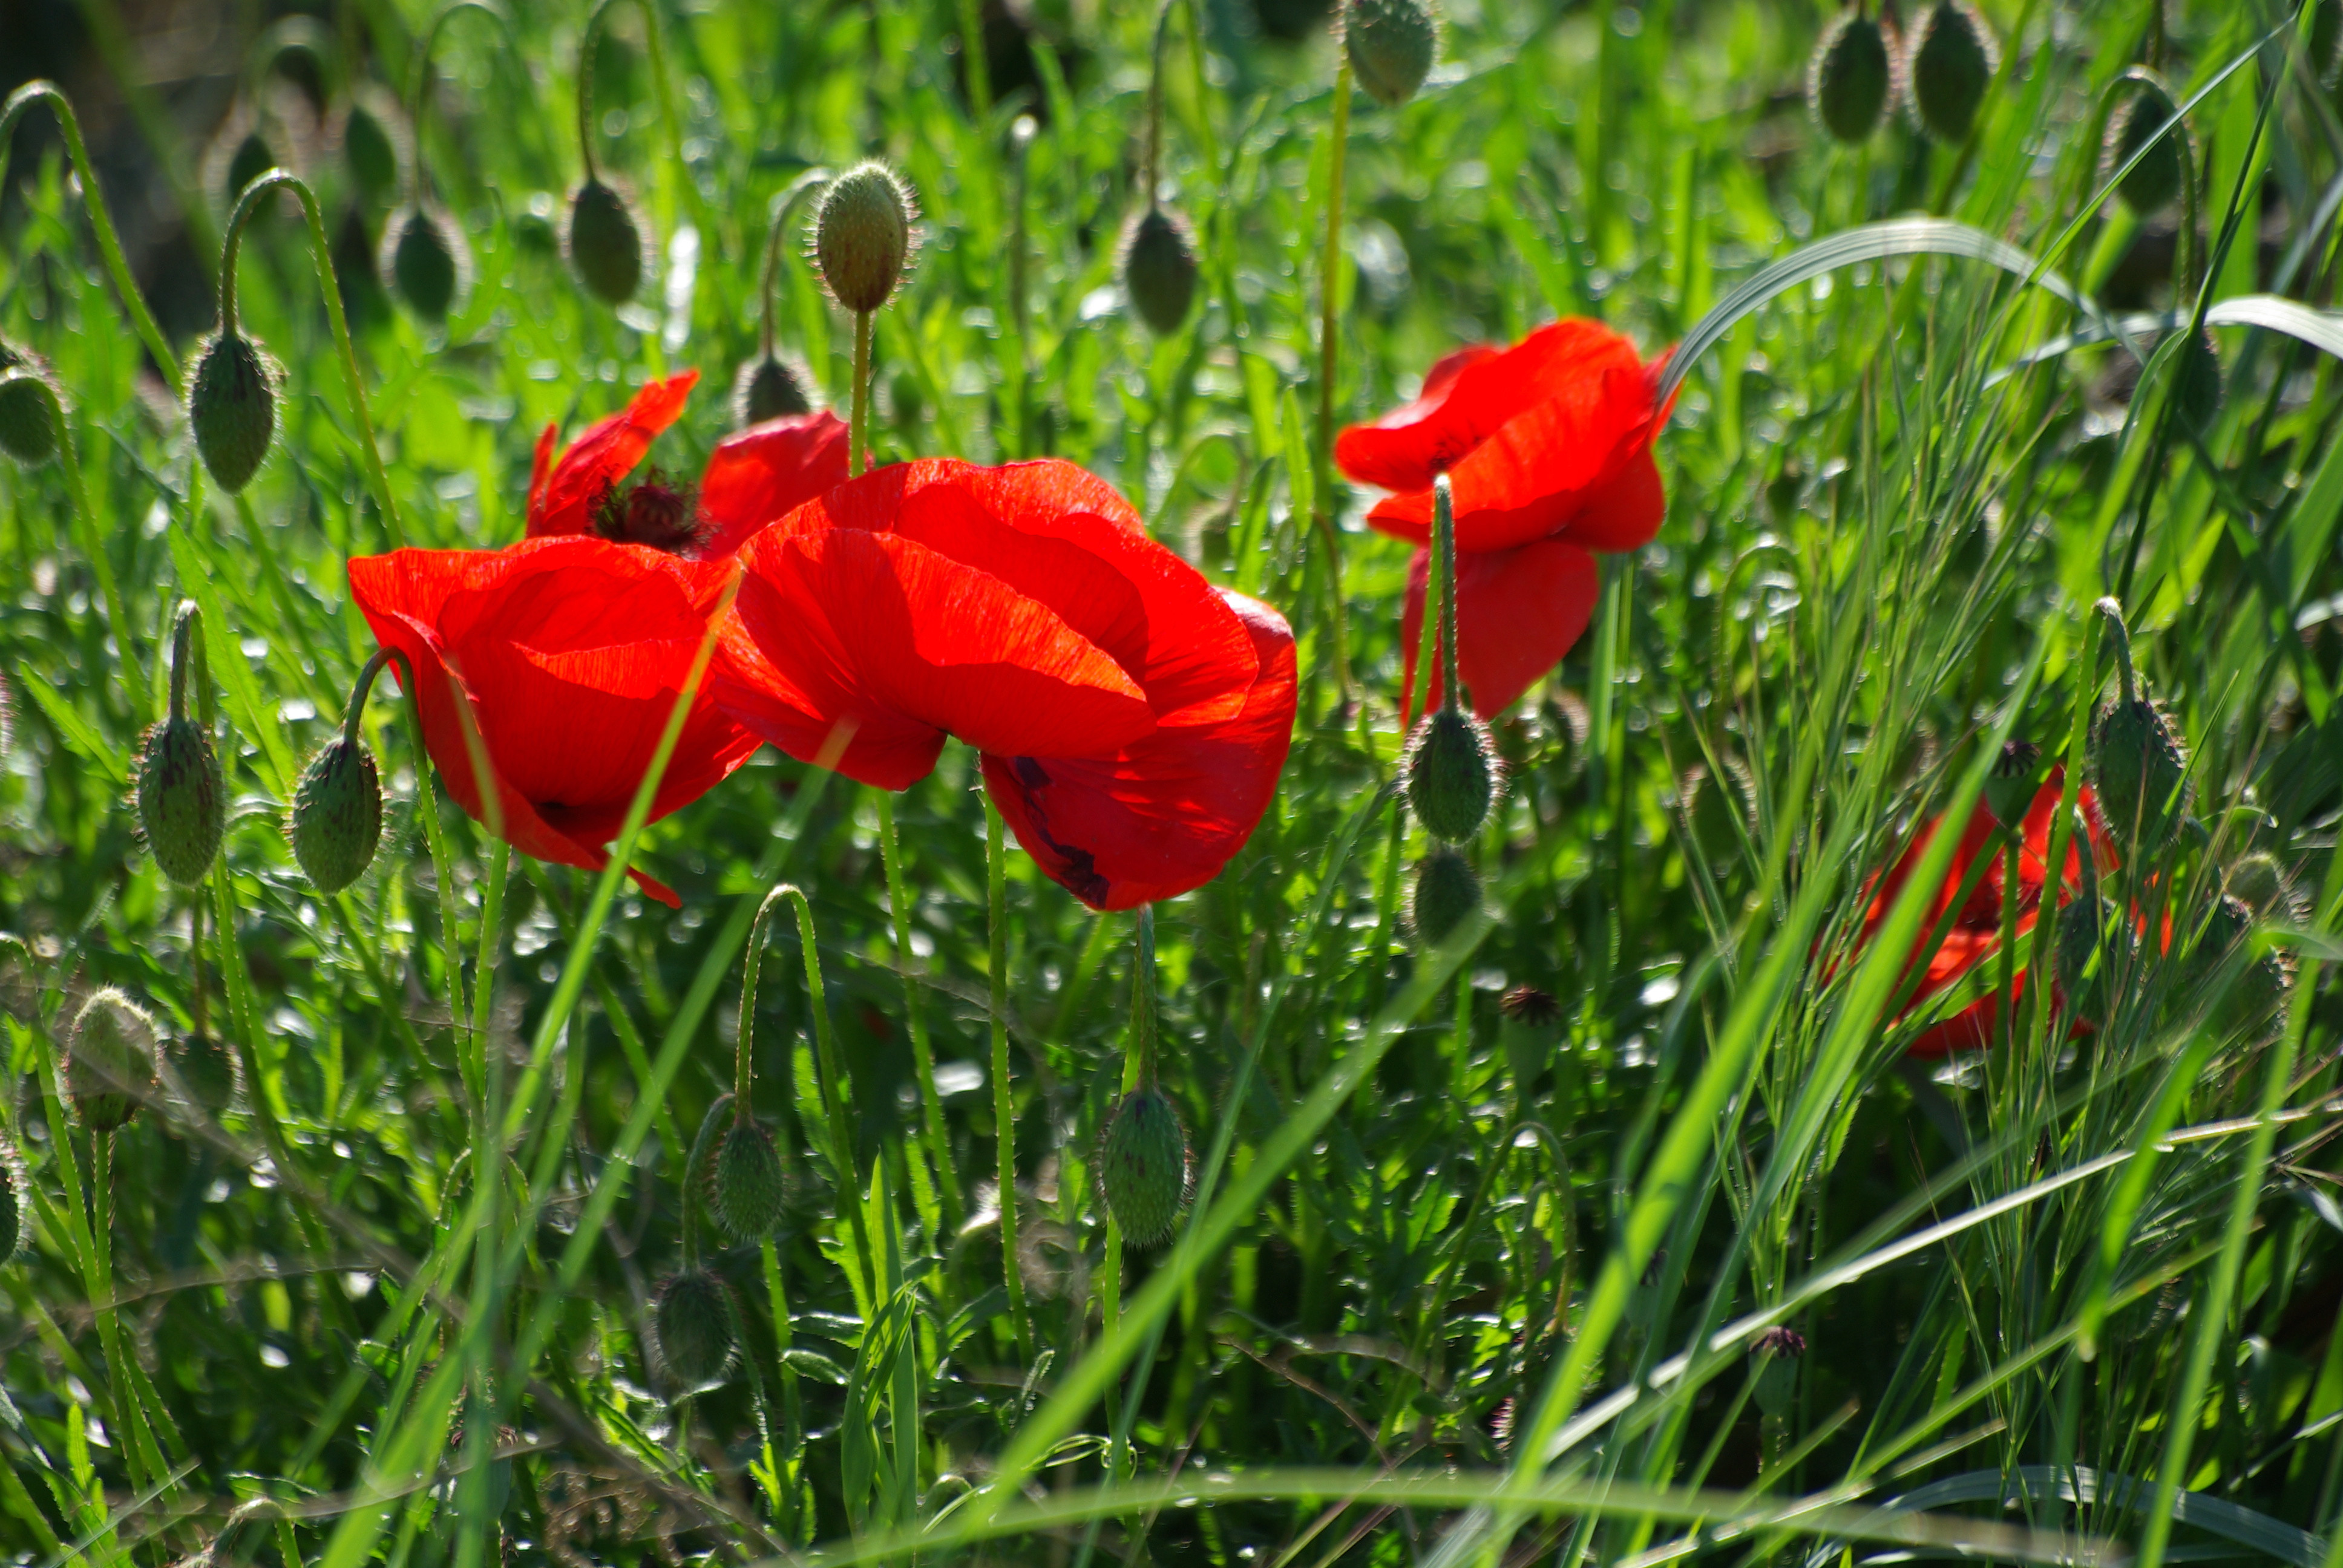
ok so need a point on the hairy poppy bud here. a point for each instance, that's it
(1445, 893)
(109, 1063)
(2094, 945)
(205, 1069)
(2010, 788)
(1952, 58)
(2139, 769)
(232, 406)
(1451, 772)
(182, 798)
(27, 432)
(606, 243)
(370, 144)
(426, 260)
(862, 235)
(2155, 181)
(746, 1184)
(1852, 76)
(693, 1323)
(2199, 392)
(1159, 268)
(1143, 1166)
(11, 1203)
(335, 818)
(770, 387)
(2259, 881)
(1391, 43)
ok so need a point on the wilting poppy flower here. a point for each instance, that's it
(1132, 719)
(751, 477)
(1547, 446)
(568, 655)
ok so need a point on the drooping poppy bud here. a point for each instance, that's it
(371, 139)
(1159, 268)
(746, 1183)
(2155, 181)
(1143, 1166)
(2010, 788)
(770, 387)
(27, 432)
(1445, 893)
(426, 260)
(205, 1069)
(335, 817)
(2095, 946)
(1852, 76)
(2258, 997)
(1451, 772)
(2139, 768)
(1954, 55)
(692, 1322)
(862, 235)
(182, 795)
(606, 243)
(232, 407)
(109, 1062)
(1391, 43)
(2259, 881)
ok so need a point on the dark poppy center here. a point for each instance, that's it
(654, 511)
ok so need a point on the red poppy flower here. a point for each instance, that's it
(751, 477)
(569, 654)
(1547, 445)
(1132, 719)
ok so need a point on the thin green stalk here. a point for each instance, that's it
(830, 1070)
(492, 899)
(1329, 348)
(1020, 144)
(655, 47)
(972, 61)
(1004, 1105)
(915, 1017)
(858, 430)
(117, 621)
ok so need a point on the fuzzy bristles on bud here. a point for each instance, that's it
(2010, 788)
(746, 1183)
(606, 243)
(27, 432)
(1392, 44)
(1953, 55)
(204, 1069)
(692, 1322)
(862, 235)
(1852, 76)
(1451, 768)
(109, 1061)
(426, 260)
(182, 800)
(2155, 180)
(1143, 1167)
(1445, 893)
(335, 817)
(770, 387)
(232, 407)
(2140, 769)
(2260, 883)
(1159, 268)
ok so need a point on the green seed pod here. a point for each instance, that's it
(110, 1062)
(373, 137)
(1159, 268)
(1450, 770)
(862, 235)
(770, 387)
(2155, 181)
(11, 1203)
(746, 1183)
(2016, 779)
(1143, 1167)
(2093, 948)
(207, 1073)
(2260, 882)
(692, 1322)
(607, 247)
(2258, 997)
(1852, 77)
(252, 158)
(1392, 44)
(426, 258)
(182, 800)
(335, 817)
(1445, 893)
(232, 406)
(2200, 388)
(2139, 769)
(27, 432)
(532, 225)
(1954, 56)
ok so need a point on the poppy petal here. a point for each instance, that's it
(1408, 447)
(607, 452)
(765, 472)
(1518, 612)
(1162, 815)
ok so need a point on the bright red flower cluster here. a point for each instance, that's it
(1132, 719)
(1547, 446)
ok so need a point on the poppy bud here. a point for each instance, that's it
(2197, 396)
(746, 1184)
(862, 235)
(182, 798)
(12, 1204)
(1953, 60)
(606, 243)
(1777, 1351)
(2139, 769)
(206, 1070)
(1851, 78)
(335, 818)
(232, 406)
(2259, 881)
(109, 1063)
(770, 387)
(1445, 893)
(1391, 43)
(693, 1323)
(2155, 181)
(426, 260)
(2260, 992)
(371, 145)
(2010, 788)
(2094, 944)
(1159, 268)
(1451, 772)
(1143, 1168)
(26, 431)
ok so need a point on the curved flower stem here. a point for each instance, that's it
(657, 49)
(321, 254)
(830, 1070)
(117, 621)
(859, 434)
(1150, 163)
(417, 184)
(1328, 345)
(1004, 1107)
(923, 1056)
(804, 185)
(2108, 608)
(101, 224)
